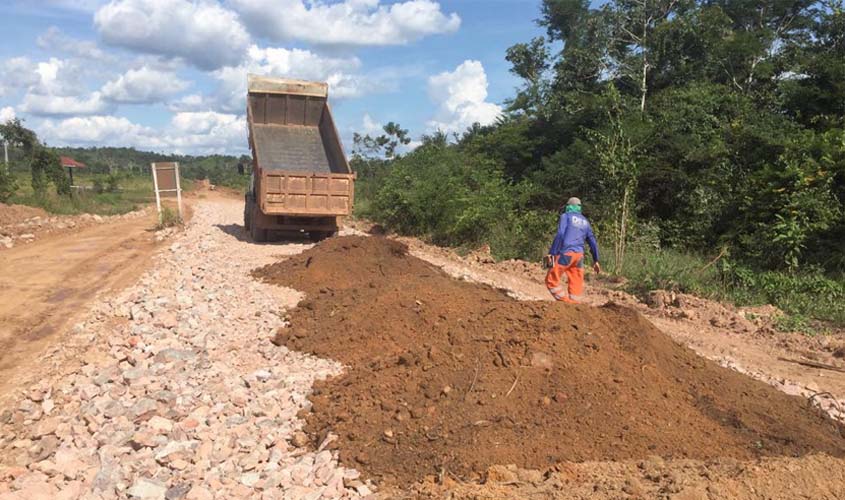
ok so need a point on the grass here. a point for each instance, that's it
(810, 300)
(169, 218)
(134, 192)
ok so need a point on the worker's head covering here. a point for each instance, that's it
(573, 205)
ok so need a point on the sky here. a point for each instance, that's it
(170, 75)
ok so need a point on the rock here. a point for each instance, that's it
(199, 493)
(143, 409)
(175, 450)
(171, 355)
(146, 439)
(262, 375)
(70, 491)
(45, 448)
(541, 360)
(145, 488)
(530, 476)
(299, 439)
(178, 491)
(106, 476)
(69, 463)
(160, 424)
(633, 487)
(501, 474)
(250, 478)
(166, 319)
(44, 427)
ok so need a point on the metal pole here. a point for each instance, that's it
(155, 186)
(178, 193)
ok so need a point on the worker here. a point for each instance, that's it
(566, 255)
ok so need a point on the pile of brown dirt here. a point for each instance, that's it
(447, 376)
(13, 214)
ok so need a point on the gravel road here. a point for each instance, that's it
(181, 394)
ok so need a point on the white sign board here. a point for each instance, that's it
(166, 183)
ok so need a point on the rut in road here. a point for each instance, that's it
(182, 394)
(447, 375)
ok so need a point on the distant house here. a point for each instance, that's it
(70, 164)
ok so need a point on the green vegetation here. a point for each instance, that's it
(168, 218)
(707, 140)
(114, 181)
(131, 192)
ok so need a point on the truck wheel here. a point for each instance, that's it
(317, 236)
(247, 212)
(258, 233)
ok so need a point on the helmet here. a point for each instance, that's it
(574, 201)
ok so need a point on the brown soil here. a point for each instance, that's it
(12, 214)
(451, 377)
(47, 284)
(781, 478)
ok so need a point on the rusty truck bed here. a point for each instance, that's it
(300, 167)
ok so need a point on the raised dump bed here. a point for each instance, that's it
(301, 179)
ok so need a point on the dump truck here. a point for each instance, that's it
(301, 181)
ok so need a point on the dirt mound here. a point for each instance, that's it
(13, 214)
(447, 376)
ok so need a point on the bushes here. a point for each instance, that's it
(8, 185)
(438, 192)
(109, 183)
(808, 294)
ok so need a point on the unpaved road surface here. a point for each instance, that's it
(46, 284)
(181, 394)
(170, 389)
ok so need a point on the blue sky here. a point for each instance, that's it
(169, 75)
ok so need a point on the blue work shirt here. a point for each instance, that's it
(572, 230)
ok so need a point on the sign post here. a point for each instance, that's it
(166, 182)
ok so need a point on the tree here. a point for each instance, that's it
(619, 172)
(44, 164)
(382, 146)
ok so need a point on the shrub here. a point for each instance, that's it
(8, 185)
(438, 192)
(168, 218)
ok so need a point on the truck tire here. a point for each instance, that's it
(317, 236)
(247, 212)
(259, 234)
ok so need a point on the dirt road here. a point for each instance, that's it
(176, 391)
(47, 284)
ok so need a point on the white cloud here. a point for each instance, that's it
(59, 77)
(191, 102)
(208, 132)
(143, 85)
(370, 126)
(55, 105)
(201, 32)
(6, 114)
(339, 72)
(348, 22)
(17, 72)
(54, 40)
(187, 133)
(461, 98)
(98, 130)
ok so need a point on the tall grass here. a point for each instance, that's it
(805, 295)
(133, 193)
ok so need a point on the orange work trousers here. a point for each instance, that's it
(572, 265)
